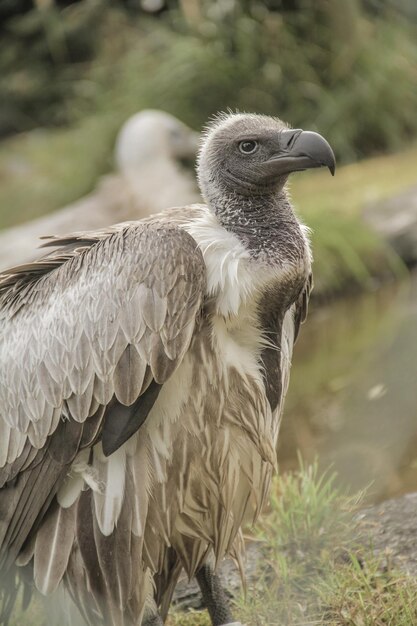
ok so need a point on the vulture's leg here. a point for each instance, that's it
(152, 616)
(214, 597)
(153, 620)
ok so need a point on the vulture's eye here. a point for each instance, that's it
(248, 146)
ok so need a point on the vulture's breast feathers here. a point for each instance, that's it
(236, 278)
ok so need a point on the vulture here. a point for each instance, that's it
(143, 370)
(151, 146)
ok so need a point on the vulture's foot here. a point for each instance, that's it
(214, 597)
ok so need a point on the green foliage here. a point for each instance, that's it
(348, 255)
(191, 618)
(308, 529)
(327, 66)
(306, 509)
(335, 71)
(42, 63)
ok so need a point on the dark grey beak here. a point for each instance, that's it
(302, 150)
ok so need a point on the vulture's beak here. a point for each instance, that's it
(301, 150)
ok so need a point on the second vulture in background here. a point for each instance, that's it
(149, 151)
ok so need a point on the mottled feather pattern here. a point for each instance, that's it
(98, 339)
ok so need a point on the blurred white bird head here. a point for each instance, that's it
(153, 135)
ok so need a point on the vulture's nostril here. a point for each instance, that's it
(290, 137)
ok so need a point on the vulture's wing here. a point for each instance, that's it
(87, 337)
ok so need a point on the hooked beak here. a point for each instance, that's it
(302, 150)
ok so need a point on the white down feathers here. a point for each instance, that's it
(232, 276)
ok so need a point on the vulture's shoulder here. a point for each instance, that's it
(132, 249)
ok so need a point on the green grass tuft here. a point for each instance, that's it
(366, 595)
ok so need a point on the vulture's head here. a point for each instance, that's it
(153, 135)
(253, 154)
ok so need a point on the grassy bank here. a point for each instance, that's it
(313, 571)
(42, 171)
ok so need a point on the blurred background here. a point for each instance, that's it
(72, 73)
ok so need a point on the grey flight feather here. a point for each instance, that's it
(121, 422)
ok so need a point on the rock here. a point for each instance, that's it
(395, 220)
(392, 526)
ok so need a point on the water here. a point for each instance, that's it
(353, 392)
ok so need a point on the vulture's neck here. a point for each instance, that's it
(265, 224)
